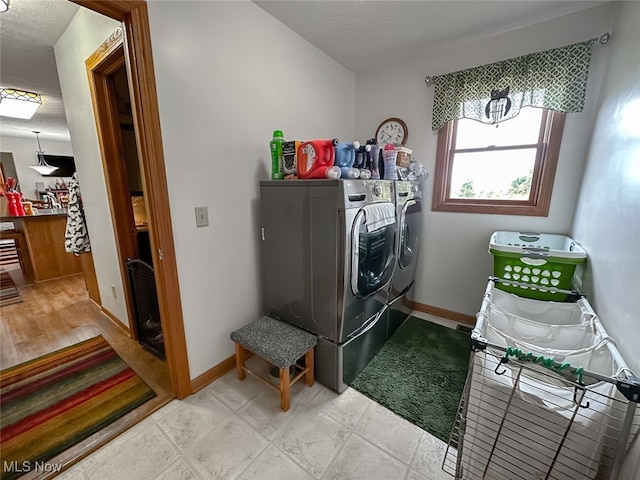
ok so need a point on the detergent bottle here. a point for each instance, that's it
(372, 161)
(315, 158)
(276, 155)
(389, 155)
(361, 156)
(361, 161)
(345, 157)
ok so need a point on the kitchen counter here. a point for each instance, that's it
(42, 213)
(44, 234)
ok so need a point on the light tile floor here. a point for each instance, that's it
(235, 430)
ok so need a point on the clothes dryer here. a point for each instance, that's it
(408, 197)
(328, 256)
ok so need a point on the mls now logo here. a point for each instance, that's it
(27, 466)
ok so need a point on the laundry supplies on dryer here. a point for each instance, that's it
(345, 158)
(315, 158)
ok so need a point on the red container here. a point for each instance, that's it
(315, 157)
(14, 200)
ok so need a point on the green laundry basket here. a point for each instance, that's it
(538, 262)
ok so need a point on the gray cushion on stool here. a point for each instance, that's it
(277, 342)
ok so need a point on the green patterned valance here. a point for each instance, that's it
(554, 79)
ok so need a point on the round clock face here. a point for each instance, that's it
(392, 130)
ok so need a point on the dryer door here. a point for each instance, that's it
(410, 228)
(372, 256)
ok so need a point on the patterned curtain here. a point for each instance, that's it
(554, 79)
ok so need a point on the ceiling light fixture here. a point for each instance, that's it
(4, 5)
(17, 103)
(43, 168)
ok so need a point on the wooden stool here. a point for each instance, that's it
(281, 345)
(14, 249)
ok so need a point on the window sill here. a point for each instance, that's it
(492, 208)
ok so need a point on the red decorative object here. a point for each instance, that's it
(15, 204)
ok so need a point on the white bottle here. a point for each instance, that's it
(389, 155)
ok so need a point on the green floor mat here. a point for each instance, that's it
(419, 374)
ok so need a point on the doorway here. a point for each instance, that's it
(125, 190)
(146, 124)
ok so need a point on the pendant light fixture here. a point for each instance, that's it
(43, 168)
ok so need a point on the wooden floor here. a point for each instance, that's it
(58, 313)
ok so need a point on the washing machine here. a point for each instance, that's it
(408, 199)
(328, 256)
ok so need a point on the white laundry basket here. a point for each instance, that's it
(547, 312)
(507, 330)
(525, 420)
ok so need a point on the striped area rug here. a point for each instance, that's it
(9, 294)
(53, 402)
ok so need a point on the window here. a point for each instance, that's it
(505, 169)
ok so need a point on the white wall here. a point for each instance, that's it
(24, 154)
(454, 263)
(85, 34)
(607, 220)
(610, 230)
(228, 74)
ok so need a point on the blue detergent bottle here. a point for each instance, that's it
(345, 157)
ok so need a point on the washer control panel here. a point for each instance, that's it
(380, 190)
(405, 190)
(360, 192)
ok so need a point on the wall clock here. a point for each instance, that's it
(392, 130)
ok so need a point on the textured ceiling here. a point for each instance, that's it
(28, 31)
(361, 35)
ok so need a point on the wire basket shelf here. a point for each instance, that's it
(520, 420)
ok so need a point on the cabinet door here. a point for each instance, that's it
(298, 256)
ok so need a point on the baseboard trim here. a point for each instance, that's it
(213, 374)
(116, 321)
(444, 313)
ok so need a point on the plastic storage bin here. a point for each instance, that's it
(537, 263)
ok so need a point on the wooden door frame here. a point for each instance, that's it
(101, 65)
(146, 118)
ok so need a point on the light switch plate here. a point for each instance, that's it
(202, 217)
